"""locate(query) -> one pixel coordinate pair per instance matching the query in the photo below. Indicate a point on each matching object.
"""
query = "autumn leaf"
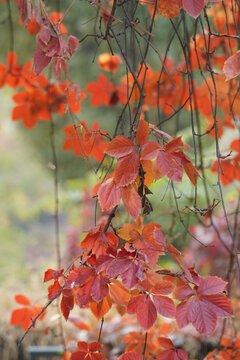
(169, 9)
(170, 352)
(100, 309)
(22, 299)
(202, 304)
(88, 351)
(67, 302)
(108, 194)
(109, 62)
(23, 316)
(100, 91)
(131, 355)
(193, 7)
(119, 147)
(231, 66)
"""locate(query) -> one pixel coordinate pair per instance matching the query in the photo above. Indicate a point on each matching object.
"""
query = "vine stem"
(100, 330)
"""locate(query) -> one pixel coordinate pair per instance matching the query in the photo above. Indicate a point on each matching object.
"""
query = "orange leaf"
(131, 201)
(120, 146)
(22, 299)
(119, 293)
(142, 132)
(101, 308)
(126, 169)
(169, 8)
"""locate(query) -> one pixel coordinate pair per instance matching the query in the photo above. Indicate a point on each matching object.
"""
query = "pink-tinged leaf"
(131, 201)
(37, 12)
(25, 10)
(164, 305)
(173, 354)
(22, 299)
(135, 304)
(59, 64)
(231, 66)
(129, 277)
(126, 169)
(183, 292)
(120, 146)
(44, 35)
(193, 7)
(131, 356)
(117, 266)
(159, 237)
(150, 150)
(183, 314)
(211, 285)
(167, 165)
(174, 144)
(142, 132)
(147, 314)
(219, 304)
(108, 195)
(40, 60)
(203, 318)
(99, 288)
(72, 44)
(163, 287)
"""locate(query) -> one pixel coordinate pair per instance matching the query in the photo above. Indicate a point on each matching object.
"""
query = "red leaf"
(164, 305)
(145, 309)
(130, 356)
(67, 303)
(54, 289)
(193, 7)
(126, 169)
(174, 144)
(142, 132)
(40, 60)
(147, 314)
(131, 201)
(95, 346)
(167, 165)
(99, 288)
(120, 146)
(173, 354)
(211, 285)
(79, 276)
(108, 195)
(52, 274)
(83, 294)
(22, 299)
(202, 309)
(231, 66)
(72, 44)
(203, 318)
(150, 150)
